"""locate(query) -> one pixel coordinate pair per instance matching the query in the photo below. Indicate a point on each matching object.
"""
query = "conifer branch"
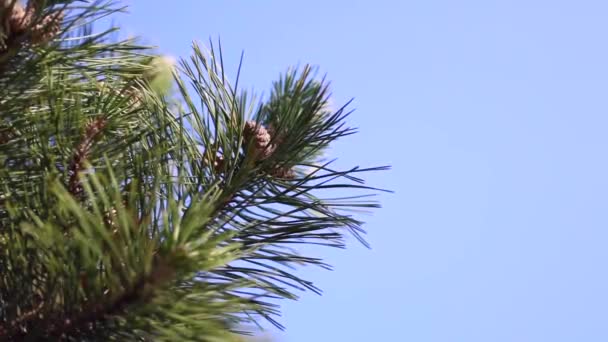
(83, 320)
(81, 153)
(185, 232)
(26, 25)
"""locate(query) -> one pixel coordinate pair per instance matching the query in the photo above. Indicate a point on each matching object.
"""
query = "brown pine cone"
(218, 164)
(18, 19)
(47, 29)
(261, 139)
(35, 5)
(283, 173)
(6, 135)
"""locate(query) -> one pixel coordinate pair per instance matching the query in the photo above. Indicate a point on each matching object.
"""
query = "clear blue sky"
(494, 115)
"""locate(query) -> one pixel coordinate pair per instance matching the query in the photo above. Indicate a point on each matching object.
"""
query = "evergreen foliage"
(145, 200)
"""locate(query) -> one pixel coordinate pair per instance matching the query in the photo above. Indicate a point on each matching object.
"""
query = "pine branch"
(84, 318)
(82, 151)
(169, 216)
(27, 25)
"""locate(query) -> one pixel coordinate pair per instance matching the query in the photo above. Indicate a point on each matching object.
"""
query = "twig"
(84, 318)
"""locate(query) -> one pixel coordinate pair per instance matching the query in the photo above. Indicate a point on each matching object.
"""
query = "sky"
(493, 115)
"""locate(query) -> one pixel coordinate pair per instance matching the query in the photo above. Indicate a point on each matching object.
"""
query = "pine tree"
(143, 199)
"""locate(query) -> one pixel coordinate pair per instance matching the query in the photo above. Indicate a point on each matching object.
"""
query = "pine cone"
(218, 164)
(261, 139)
(6, 135)
(18, 19)
(283, 172)
(36, 5)
(48, 28)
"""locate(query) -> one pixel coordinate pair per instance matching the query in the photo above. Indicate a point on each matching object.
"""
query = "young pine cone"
(6, 135)
(18, 19)
(283, 172)
(263, 148)
(47, 29)
(261, 139)
(36, 5)
(216, 163)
